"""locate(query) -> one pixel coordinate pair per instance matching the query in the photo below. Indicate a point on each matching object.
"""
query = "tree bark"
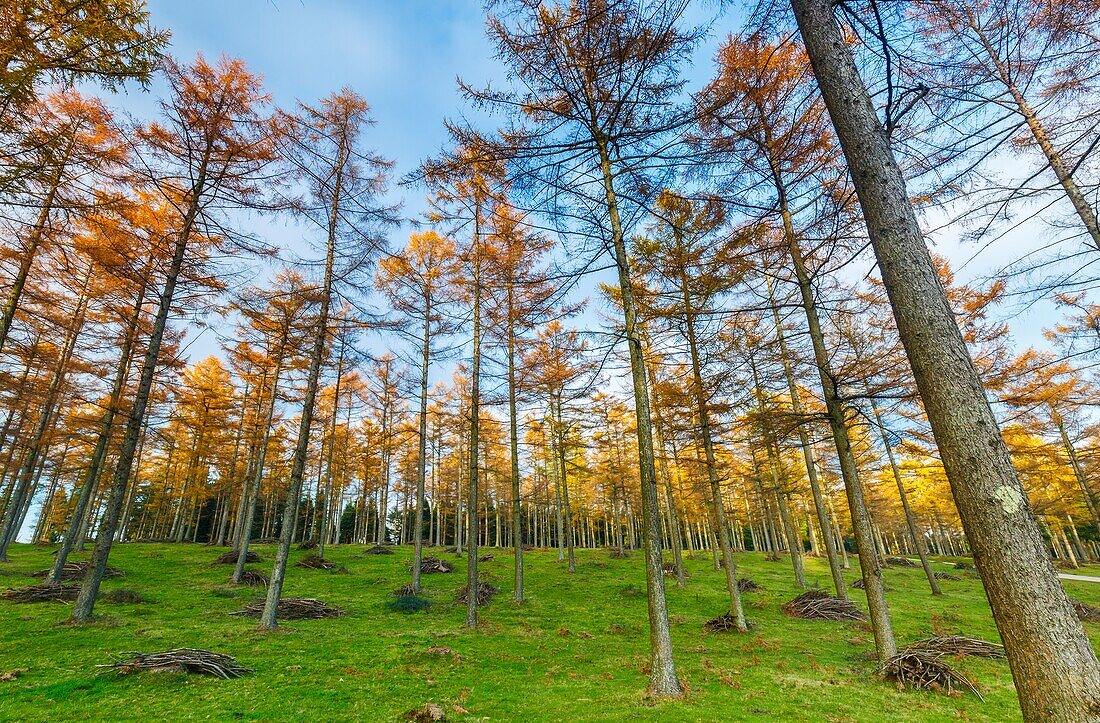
(1056, 672)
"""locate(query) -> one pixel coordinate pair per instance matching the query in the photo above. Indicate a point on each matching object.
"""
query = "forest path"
(1083, 578)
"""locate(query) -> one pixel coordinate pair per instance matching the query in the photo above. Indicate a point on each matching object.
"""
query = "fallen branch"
(315, 562)
(429, 565)
(1087, 613)
(77, 571)
(254, 578)
(956, 645)
(747, 584)
(900, 562)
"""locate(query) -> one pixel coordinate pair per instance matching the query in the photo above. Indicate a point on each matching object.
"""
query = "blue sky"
(403, 56)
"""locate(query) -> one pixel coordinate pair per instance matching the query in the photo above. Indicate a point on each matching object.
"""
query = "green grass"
(576, 650)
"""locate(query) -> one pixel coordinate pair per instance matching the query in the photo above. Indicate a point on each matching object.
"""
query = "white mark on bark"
(1010, 498)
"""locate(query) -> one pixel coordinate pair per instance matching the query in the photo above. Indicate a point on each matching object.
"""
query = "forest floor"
(576, 650)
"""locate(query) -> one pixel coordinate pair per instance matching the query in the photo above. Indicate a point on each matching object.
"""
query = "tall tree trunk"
(422, 462)
(807, 453)
(475, 414)
(268, 620)
(869, 563)
(910, 519)
(1053, 664)
(662, 675)
(513, 442)
(85, 602)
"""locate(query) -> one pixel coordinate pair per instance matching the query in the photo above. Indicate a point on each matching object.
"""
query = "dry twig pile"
(186, 660)
(45, 592)
(294, 608)
(922, 671)
(315, 562)
(820, 605)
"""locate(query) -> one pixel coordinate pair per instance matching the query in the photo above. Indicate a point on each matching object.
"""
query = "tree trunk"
(1055, 669)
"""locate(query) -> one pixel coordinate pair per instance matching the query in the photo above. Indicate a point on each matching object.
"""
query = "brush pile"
(254, 578)
(721, 624)
(378, 550)
(315, 562)
(230, 558)
(45, 592)
(485, 558)
(405, 590)
(485, 593)
(429, 565)
(307, 545)
(77, 571)
(294, 608)
(618, 554)
(183, 660)
(956, 645)
(900, 562)
(964, 566)
(924, 671)
(945, 576)
(820, 605)
(747, 584)
(1087, 613)
(670, 569)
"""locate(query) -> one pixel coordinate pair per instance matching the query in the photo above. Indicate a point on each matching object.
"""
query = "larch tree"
(342, 185)
(593, 104)
(1054, 667)
(207, 153)
(419, 284)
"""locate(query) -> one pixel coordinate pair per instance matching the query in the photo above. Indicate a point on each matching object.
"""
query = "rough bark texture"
(1054, 667)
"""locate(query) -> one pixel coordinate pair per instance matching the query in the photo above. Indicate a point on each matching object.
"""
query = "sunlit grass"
(575, 651)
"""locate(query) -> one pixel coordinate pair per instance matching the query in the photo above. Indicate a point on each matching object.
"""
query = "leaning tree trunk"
(910, 519)
(85, 602)
(702, 409)
(1078, 471)
(662, 671)
(13, 520)
(808, 455)
(869, 563)
(268, 619)
(1055, 669)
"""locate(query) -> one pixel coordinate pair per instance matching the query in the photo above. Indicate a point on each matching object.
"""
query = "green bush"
(408, 604)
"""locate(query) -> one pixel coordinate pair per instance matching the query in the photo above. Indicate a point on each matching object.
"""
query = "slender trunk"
(513, 441)
(910, 519)
(1054, 667)
(869, 563)
(268, 619)
(807, 453)
(475, 414)
(422, 462)
(662, 675)
(1078, 472)
(85, 602)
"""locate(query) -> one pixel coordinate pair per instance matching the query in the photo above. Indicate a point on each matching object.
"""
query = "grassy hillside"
(576, 650)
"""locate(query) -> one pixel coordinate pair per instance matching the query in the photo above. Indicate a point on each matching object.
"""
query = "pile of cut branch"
(1086, 612)
(183, 660)
(722, 624)
(46, 592)
(820, 605)
(747, 584)
(378, 550)
(922, 671)
(405, 590)
(964, 566)
(485, 558)
(618, 554)
(900, 562)
(945, 576)
(485, 593)
(956, 645)
(428, 565)
(315, 562)
(670, 569)
(254, 578)
(294, 608)
(307, 545)
(230, 558)
(77, 571)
